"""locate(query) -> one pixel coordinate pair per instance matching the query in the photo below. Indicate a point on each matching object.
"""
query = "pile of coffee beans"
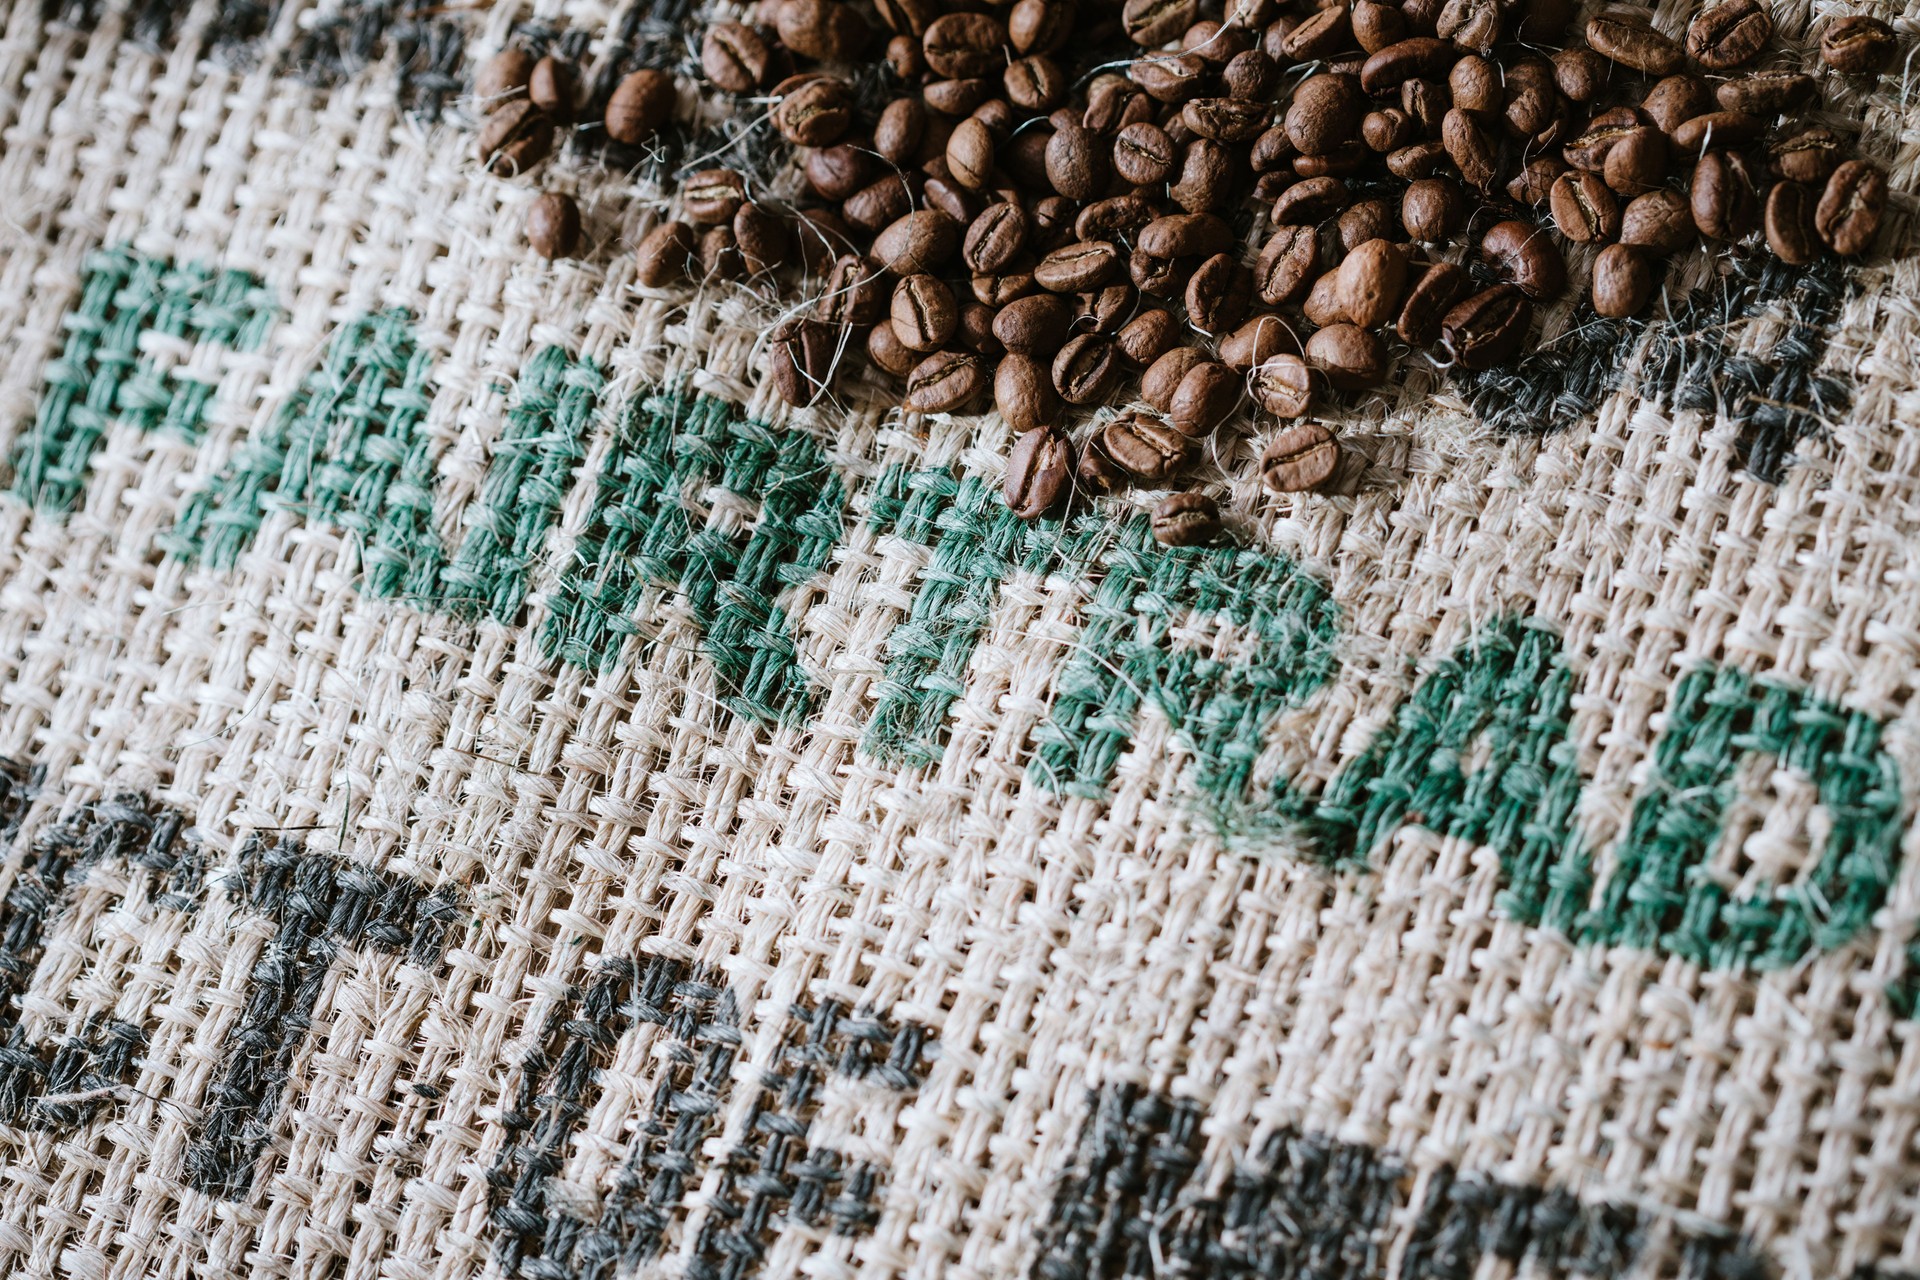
(1049, 199)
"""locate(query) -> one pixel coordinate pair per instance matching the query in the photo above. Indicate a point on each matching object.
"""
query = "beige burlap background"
(354, 930)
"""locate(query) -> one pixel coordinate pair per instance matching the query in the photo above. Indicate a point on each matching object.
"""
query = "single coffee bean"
(884, 349)
(1622, 281)
(1272, 150)
(1078, 163)
(1432, 296)
(1487, 328)
(1473, 152)
(719, 255)
(1252, 76)
(1035, 84)
(1105, 309)
(1660, 222)
(734, 57)
(1023, 392)
(1426, 102)
(1186, 235)
(507, 72)
(1416, 58)
(1849, 212)
(822, 29)
(803, 352)
(1186, 520)
(1327, 32)
(1325, 113)
(1215, 42)
(1085, 368)
(1534, 183)
(1349, 357)
(879, 204)
(813, 114)
(1322, 305)
(1433, 209)
(1588, 149)
(923, 241)
(1204, 398)
(897, 135)
(1729, 34)
(1675, 100)
(963, 45)
(1725, 204)
(1003, 288)
(761, 237)
(517, 137)
(1147, 336)
(1471, 24)
(1373, 219)
(853, 295)
(1039, 473)
(1087, 264)
(1581, 73)
(1300, 459)
(994, 238)
(1035, 325)
(1145, 448)
(1857, 43)
(554, 88)
(1585, 209)
(1765, 93)
(1717, 129)
(665, 255)
(1207, 174)
(1253, 342)
(1157, 277)
(1809, 156)
(1791, 231)
(641, 103)
(1095, 473)
(976, 331)
(1372, 280)
(1143, 154)
(904, 59)
(1388, 129)
(1638, 162)
(1040, 26)
(1117, 219)
(712, 196)
(946, 381)
(1283, 385)
(1377, 25)
(1525, 255)
(1218, 294)
(1535, 111)
(837, 172)
(1310, 200)
(1164, 375)
(941, 192)
(924, 313)
(1151, 23)
(1112, 105)
(1629, 39)
(970, 154)
(553, 226)
(1228, 119)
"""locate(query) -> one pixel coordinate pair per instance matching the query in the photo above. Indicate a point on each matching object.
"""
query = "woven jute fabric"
(488, 790)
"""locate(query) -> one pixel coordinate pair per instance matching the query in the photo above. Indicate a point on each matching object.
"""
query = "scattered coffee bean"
(803, 354)
(517, 137)
(924, 313)
(1660, 222)
(1849, 212)
(504, 74)
(1629, 39)
(1145, 448)
(1622, 281)
(1487, 328)
(640, 105)
(1729, 34)
(1164, 376)
(734, 57)
(553, 226)
(1023, 392)
(1256, 340)
(1372, 279)
(1857, 43)
(1300, 459)
(1585, 208)
(1349, 357)
(1526, 255)
(1039, 473)
(1204, 398)
(1809, 156)
(946, 381)
(1429, 301)
(1283, 386)
(1186, 520)
(1085, 368)
(1725, 203)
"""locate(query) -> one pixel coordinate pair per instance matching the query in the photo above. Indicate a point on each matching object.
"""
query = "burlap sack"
(488, 790)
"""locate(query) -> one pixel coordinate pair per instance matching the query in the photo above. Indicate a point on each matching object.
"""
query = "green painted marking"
(648, 528)
(527, 480)
(351, 448)
(102, 376)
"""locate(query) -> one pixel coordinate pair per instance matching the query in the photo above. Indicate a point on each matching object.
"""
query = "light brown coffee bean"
(836, 172)
(1322, 306)
(665, 255)
(1729, 34)
(1585, 208)
(964, 45)
(1283, 385)
(823, 29)
(1083, 265)
(1622, 281)
(1426, 102)
(1325, 113)
(1725, 203)
(1487, 328)
(802, 359)
(1809, 155)
(1857, 43)
(712, 196)
(1228, 119)
(1477, 86)
(1040, 26)
(1300, 459)
(1421, 160)
(1373, 279)
(1638, 162)
(902, 123)
(1349, 357)
(1204, 398)
(1147, 336)
(640, 105)
(1432, 296)
(1035, 84)
(734, 57)
(517, 137)
(1581, 74)
(1156, 277)
(1473, 152)
(1252, 76)
(1628, 37)
(1105, 309)
(1164, 376)
(1791, 231)
(1023, 392)
(945, 382)
(1145, 448)
(1085, 368)
(554, 88)
(1388, 129)
(1373, 219)
(1186, 520)
(1218, 294)
(1765, 93)
(924, 313)
(1717, 129)
(1433, 209)
(854, 294)
(553, 226)
(1660, 222)
(507, 72)
(1848, 216)
(923, 241)
(1039, 473)
(1526, 255)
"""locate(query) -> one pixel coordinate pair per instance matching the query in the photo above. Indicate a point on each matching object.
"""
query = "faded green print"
(693, 502)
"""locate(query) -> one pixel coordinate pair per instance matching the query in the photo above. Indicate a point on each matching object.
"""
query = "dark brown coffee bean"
(1325, 113)
(946, 382)
(1158, 277)
(1085, 368)
(1588, 150)
(1035, 84)
(1622, 281)
(1348, 356)
(1535, 111)
(1186, 235)
(1117, 219)
(1427, 103)
(1003, 288)
(1218, 294)
(1421, 160)
(1286, 265)
(1525, 255)
(507, 72)
(1300, 459)
(994, 238)
(1766, 93)
(1164, 375)
(1252, 76)
(1486, 328)
(1725, 203)
(517, 137)
(1387, 130)
(1087, 264)
(712, 196)
(1171, 80)
(553, 226)
(924, 313)
(1322, 306)
(1638, 162)
(905, 60)
(1327, 32)
(1473, 152)
(1717, 129)
(1432, 296)
(1229, 119)
(1040, 26)
(822, 29)
(941, 192)
(1809, 156)
(970, 155)
(1113, 103)
(640, 105)
(1585, 208)
(1675, 100)
(1207, 173)
(1420, 57)
(1729, 34)
(879, 204)
(802, 353)
(1311, 200)
(1105, 309)
(1186, 520)
(719, 255)
(1039, 473)
(897, 135)
(734, 57)
(1255, 341)
(814, 114)
(1272, 150)
(1143, 154)
(924, 240)
(1145, 448)
(1471, 24)
(1581, 73)
(1791, 231)
(1215, 42)
(835, 173)
(1857, 43)
(1373, 219)
(1204, 398)
(964, 45)
(1283, 385)
(884, 349)
(820, 236)
(976, 331)
(1146, 337)
(665, 255)
(761, 237)
(1433, 209)
(1534, 183)
(1628, 37)
(1660, 222)
(1372, 280)
(1151, 23)
(854, 294)
(1023, 392)
(1034, 325)
(1377, 26)
(1077, 163)
(1477, 85)
(1849, 213)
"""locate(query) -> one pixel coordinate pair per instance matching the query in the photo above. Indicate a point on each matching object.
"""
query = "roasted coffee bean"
(976, 331)
(879, 204)
(1272, 150)
(1675, 100)
(994, 238)
(1473, 152)
(640, 105)
(1373, 219)
(554, 88)
(1035, 325)
(1003, 288)
(1325, 113)
(1809, 156)
(1433, 209)
(762, 238)
(1078, 163)
(902, 124)
(1035, 84)
(1525, 255)
(1283, 386)
(1588, 150)
(1585, 209)
(1311, 200)
(1765, 93)
(970, 155)
(1849, 212)
(1729, 34)
(1087, 264)
(1215, 42)
(1717, 129)
(1426, 102)
(1151, 23)
(1857, 43)
(820, 236)
(1186, 520)
(1432, 296)
(734, 57)
(1039, 473)
(1145, 448)
(884, 349)
(712, 196)
(665, 255)
(941, 192)
(813, 114)
(1105, 309)
(1348, 356)
(507, 72)
(1327, 32)
(1581, 73)
(1534, 183)
(1164, 375)
(924, 240)
(854, 294)
(1638, 162)
(1146, 337)
(1228, 119)
(1622, 281)
(1218, 294)
(1040, 26)
(1112, 104)
(1206, 180)
(553, 226)
(1537, 112)
(1377, 26)
(1158, 277)
(837, 172)
(1471, 24)
(1095, 473)
(1143, 154)
(946, 381)
(1322, 306)
(1023, 392)
(1417, 58)
(1791, 231)
(1119, 218)
(1256, 340)
(1372, 280)
(1300, 459)
(517, 137)
(719, 255)
(964, 45)
(1186, 235)
(1725, 204)
(1660, 222)
(1085, 368)
(924, 313)
(905, 60)
(1477, 85)
(824, 29)
(1487, 328)
(1206, 395)
(803, 352)
(1171, 80)
(1252, 76)
(1386, 130)
(1629, 39)
(1286, 265)
(1339, 162)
